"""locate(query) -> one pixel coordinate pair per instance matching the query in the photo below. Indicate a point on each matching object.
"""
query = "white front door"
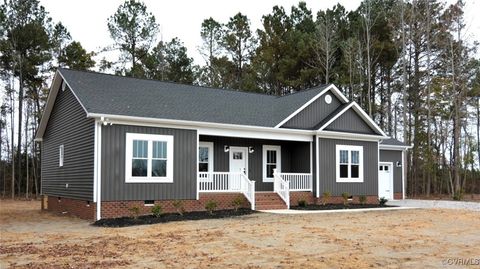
(385, 180)
(239, 159)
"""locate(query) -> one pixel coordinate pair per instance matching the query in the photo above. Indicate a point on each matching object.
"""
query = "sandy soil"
(418, 238)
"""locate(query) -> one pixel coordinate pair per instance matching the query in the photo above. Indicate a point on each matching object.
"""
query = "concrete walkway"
(293, 212)
(475, 206)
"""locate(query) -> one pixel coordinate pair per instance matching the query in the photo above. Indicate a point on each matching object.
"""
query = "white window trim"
(129, 154)
(61, 155)
(208, 145)
(337, 164)
(278, 149)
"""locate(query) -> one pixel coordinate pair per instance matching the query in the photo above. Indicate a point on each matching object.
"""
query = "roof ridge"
(323, 86)
(169, 82)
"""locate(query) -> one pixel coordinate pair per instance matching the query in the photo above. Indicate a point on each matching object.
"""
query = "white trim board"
(332, 87)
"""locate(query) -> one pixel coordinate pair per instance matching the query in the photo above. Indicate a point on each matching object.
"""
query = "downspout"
(317, 166)
(99, 169)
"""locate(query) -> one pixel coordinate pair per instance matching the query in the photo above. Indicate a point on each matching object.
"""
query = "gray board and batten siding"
(350, 122)
(68, 126)
(394, 156)
(115, 188)
(327, 170)
(314, 113)
(295, 157)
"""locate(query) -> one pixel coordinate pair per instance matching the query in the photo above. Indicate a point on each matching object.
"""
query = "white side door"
(385, 180)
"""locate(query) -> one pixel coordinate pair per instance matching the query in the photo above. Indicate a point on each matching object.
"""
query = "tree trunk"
(19, 127)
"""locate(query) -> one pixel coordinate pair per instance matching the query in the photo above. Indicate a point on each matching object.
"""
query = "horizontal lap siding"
(327, 168)
(350, 122)
(394, 156)
(68, 126)
(295, 157)
(113, 166)
(314, 113)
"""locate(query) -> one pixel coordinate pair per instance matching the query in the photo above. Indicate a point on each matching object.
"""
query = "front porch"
(249, 166)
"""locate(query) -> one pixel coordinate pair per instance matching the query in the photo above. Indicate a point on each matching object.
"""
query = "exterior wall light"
(251, 150)
(399, 164)
(226, 148)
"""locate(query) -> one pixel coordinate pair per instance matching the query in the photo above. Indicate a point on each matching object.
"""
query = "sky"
(87, 19)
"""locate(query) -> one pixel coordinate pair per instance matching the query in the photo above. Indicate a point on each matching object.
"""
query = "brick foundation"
(115, 209)
(371, 199)
(397, 196)
(296, 196)
(72, 207)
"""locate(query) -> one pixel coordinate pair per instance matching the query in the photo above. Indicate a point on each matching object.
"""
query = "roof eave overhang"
(394, 147)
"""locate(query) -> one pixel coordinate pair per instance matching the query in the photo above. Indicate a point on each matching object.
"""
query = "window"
(60, 156)
(271, 160)
(349, 163)
(149, 158)
(205, 157)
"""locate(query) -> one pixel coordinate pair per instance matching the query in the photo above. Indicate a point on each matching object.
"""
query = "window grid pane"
(159, 150)
(140, 149)
(355, 156)
(344, 156)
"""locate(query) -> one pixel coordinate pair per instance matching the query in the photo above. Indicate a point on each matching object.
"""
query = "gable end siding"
(68, 126)
(350, 122)
(314, 113)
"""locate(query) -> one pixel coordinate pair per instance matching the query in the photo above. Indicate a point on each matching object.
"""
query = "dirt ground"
(416, 238)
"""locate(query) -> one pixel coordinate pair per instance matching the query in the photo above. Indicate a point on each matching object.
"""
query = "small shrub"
(325, 197)
(382, 201)
(302, 203)
(345, 196)
(458, 195)
(178, 204)
(362, 199)
(210, 206)
(157, 210)
(237, 202)
(135, 210)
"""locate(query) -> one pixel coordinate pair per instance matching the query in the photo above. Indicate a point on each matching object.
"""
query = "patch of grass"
(237, 202)
(362, 199)
(326, 197)
(157, 210)
(135, 211)
(345, 196)
(178, 204)
(382, 201)
(302, 203)
(210, 206)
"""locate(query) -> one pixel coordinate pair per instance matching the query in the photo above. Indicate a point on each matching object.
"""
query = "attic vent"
(328, 99)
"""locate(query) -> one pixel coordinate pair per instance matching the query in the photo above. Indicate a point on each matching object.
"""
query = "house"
(110, 143)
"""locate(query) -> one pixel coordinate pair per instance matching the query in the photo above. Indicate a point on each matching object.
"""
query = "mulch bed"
(168, 217)
(338, 206)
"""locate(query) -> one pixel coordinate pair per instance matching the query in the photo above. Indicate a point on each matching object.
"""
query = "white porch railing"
(298, 181)
(281, 187)
(227, 182)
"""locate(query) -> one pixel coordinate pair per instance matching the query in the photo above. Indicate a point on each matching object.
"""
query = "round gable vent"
(328, 99)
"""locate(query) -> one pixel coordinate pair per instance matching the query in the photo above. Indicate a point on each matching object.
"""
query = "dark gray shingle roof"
(392, 142)
(116, 95)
